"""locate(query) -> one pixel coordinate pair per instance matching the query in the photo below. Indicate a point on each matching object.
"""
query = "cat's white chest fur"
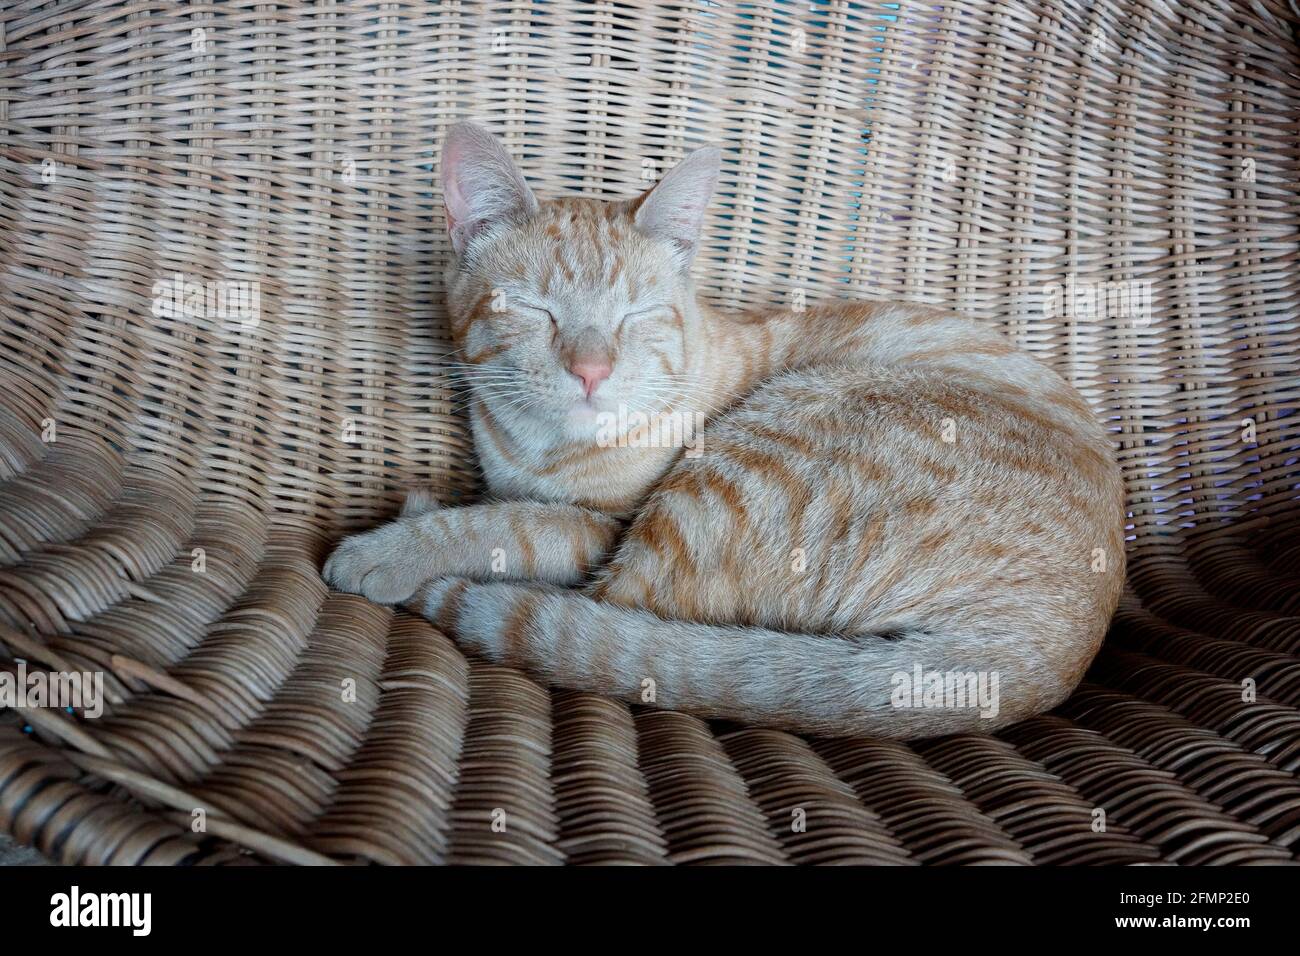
(613, 479)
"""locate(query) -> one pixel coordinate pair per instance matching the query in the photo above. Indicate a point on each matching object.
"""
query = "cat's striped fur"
(877, 486)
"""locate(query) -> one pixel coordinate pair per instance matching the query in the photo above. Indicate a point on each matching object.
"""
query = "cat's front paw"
(420, 501)
(383, 565)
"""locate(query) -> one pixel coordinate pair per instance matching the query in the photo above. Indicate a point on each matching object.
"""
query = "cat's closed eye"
(535, 311)
(642, 313)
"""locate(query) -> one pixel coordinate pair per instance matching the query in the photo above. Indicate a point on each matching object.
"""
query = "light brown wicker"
(169, 485)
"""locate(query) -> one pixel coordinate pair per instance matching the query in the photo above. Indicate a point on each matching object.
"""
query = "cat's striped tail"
(807, 683)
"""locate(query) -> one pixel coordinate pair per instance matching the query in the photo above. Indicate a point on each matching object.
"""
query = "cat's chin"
(585, 417)
(589, 421)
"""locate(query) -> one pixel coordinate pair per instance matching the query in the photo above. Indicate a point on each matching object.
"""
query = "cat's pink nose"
(591, 374)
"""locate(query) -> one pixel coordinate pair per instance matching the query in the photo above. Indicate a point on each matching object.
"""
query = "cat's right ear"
(481, 185)
(673, 210)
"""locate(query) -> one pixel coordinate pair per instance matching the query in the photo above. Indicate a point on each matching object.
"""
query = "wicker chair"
(174, 470)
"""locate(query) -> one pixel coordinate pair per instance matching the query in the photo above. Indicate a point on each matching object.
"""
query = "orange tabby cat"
(862, 519)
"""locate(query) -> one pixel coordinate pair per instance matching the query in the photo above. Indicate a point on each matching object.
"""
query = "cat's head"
(572, 309)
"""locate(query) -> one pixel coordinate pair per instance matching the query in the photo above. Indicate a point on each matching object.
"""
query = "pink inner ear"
(480, 184)
(452, 197)
(674, 209)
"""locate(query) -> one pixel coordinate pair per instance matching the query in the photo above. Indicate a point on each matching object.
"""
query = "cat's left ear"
(673, 210)
(481, 185)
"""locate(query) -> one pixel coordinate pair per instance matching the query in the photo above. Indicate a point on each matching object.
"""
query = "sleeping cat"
(880, 493)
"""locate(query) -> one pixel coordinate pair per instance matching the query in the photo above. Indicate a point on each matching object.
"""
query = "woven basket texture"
(172, 474)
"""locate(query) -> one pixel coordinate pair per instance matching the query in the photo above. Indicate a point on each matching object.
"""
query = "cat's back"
(921, 469)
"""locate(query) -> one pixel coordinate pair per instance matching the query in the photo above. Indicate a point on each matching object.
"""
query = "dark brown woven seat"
(170, 483)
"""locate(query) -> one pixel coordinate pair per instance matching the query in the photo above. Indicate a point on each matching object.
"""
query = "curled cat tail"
(806, 683)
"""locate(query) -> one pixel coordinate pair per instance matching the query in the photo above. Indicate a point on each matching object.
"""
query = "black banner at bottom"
(337, 906)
